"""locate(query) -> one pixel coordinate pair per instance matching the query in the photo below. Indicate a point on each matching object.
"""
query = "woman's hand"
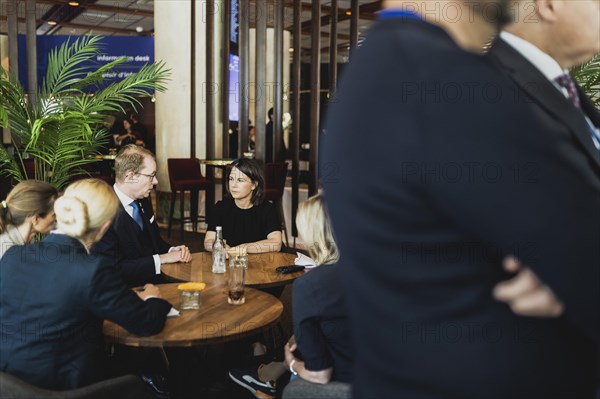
(297, 366)
(526, 294)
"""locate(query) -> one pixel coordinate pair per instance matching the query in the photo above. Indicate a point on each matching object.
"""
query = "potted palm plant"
(588, 77)
(64, 127)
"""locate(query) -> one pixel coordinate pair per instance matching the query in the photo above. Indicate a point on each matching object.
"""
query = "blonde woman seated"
(247, 219)
(319, 315)
(28, 209)
(54, 296)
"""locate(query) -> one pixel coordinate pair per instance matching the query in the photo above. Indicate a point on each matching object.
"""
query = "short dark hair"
(270, 113)
(252, 169)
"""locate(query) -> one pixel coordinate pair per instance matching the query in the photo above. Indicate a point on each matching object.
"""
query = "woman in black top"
(248, 221)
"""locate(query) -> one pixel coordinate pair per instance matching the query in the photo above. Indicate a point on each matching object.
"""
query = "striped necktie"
(567, 82)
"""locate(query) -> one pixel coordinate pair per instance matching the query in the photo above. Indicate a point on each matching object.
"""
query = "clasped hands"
(177, 254)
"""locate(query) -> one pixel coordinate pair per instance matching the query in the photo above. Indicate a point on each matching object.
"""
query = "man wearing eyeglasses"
(133, 240)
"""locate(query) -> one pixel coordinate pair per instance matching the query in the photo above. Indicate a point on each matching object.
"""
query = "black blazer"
(53, 300)
(130, 248)
(560, 118)
(433, 173)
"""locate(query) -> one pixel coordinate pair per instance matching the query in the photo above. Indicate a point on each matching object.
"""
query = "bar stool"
(185, 175)
(275, 174)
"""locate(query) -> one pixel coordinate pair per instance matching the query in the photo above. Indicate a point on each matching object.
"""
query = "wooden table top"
(216, 321)
(260, 274)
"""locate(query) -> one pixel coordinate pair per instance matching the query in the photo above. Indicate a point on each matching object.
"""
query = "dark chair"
(301, 389)
(185, 175)
(127, 386)
(275, 175)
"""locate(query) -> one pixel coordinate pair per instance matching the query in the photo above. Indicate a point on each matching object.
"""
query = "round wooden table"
(216, 321)
(260, 274)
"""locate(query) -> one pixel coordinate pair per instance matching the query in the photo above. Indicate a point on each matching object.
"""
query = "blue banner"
(139, 51)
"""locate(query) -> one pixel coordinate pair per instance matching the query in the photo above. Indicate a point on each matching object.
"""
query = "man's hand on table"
(177, 254)
(149, 291)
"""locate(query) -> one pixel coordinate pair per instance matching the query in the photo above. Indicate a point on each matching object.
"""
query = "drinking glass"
(237, 280)
(189, 299)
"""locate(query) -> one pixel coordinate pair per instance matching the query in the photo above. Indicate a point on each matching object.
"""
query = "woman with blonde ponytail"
(27, 210)
(55, 296)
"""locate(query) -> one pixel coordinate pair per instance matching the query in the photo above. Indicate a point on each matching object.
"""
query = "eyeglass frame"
(152, 176)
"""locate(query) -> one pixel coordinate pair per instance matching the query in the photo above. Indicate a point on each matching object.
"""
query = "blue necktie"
(137, 215)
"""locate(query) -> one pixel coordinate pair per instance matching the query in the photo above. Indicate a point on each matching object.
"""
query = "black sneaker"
(249, 380)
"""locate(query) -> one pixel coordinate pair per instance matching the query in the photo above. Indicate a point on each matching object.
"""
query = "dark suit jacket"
(560, 118)
(131, 249)
(433, 173)
(54, 298)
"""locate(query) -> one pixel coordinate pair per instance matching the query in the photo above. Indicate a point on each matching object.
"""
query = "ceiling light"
(74, 3)
(139, 29)
(291, 49)
(348, 12)
(52, 23)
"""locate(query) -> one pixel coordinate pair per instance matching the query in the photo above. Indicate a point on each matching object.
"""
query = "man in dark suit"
(456, 175)
(535, 56)
(536, 52)
(133, 240)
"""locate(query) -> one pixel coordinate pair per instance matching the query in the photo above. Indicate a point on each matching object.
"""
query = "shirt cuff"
(170, 249)
(156, 263)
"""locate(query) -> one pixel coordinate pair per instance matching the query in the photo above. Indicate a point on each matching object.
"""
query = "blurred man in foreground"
(467, 176)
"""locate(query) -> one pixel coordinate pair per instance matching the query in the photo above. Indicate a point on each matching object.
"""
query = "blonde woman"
(54, 296)
(28, 209)
(319, 315)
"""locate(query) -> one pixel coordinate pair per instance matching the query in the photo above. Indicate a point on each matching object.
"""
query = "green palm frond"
(588, 77)
(64, 128)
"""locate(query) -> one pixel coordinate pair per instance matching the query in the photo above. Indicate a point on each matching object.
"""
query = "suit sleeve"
(306, 317)
(111, 299)
(133, 271)
(514, 191)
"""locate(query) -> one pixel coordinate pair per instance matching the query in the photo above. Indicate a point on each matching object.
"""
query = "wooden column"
(354, 24)
(193, 84)
(315, 96)
(278, 98)
(31, 50)
(210, 79)
(295, 137)
(225, 44)
(13, 45)
(333, 49)
(244, 49)
(261, 77)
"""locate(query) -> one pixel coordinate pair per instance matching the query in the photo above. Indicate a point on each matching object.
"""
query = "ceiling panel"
(135, 17)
